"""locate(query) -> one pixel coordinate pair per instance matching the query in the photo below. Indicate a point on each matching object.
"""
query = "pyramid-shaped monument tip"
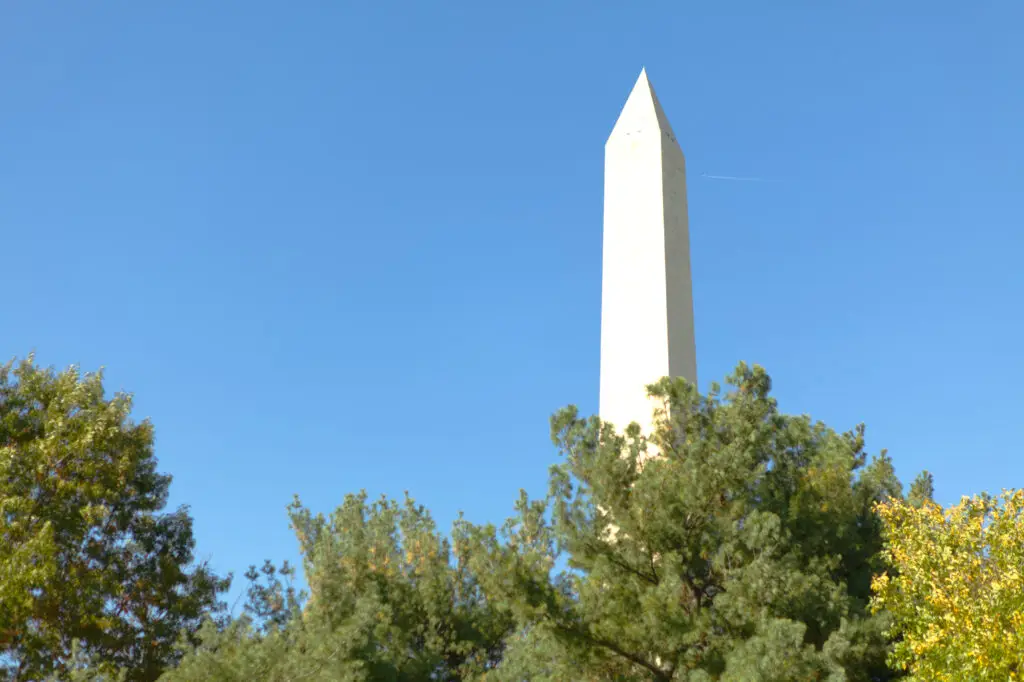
(642, 111)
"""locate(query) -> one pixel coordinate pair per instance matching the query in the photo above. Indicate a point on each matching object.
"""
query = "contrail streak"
(733, 177)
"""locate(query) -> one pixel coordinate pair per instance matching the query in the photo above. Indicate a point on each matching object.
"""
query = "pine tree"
(390, 598)
(921, 490)
(743, 551)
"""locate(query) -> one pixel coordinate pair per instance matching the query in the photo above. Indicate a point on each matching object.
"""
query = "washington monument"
(646, 294)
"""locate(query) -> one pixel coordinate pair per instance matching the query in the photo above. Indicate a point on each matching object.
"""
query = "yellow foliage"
(955, 588)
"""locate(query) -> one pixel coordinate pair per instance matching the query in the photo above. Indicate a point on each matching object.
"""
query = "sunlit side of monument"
(647, 329)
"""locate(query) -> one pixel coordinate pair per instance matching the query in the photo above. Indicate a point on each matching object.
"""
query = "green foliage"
(743, 550)
(733, 543)
(390, 599)
(273, 601)
(86, 556)
(922, 490)
(83, 667)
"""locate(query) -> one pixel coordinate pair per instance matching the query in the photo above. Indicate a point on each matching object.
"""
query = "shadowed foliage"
(743, 550)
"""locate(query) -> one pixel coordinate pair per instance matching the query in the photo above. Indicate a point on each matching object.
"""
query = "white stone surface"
(646, 293)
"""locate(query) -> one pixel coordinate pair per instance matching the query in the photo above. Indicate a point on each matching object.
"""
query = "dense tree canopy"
(390, 599)
(86, 554)
(731, 543)
(743, 551)
(956, 587)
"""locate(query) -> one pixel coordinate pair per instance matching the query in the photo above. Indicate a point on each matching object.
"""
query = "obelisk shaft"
(647, 329)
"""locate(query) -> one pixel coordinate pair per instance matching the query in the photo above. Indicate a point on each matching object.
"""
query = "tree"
(743, 551)
(956, 587)
(265, 643)
(90, 567)
(390, 598)
(922, 490)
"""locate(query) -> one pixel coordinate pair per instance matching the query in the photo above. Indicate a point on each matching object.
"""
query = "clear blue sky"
(345, 245)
